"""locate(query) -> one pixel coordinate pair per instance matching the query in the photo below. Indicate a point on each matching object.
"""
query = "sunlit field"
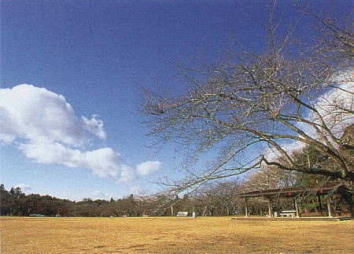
(173, 235)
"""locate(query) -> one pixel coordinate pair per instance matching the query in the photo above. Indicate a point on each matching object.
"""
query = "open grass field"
(173, 235)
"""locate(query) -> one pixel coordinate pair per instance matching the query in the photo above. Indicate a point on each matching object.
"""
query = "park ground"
(46, 235)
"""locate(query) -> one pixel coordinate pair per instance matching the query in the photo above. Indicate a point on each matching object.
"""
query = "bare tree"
(271, 178)
(265, 106)
(218, 199)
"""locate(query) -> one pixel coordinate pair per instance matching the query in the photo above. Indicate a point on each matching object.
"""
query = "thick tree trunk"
(205, 210)
(172, 213)
(348, 197)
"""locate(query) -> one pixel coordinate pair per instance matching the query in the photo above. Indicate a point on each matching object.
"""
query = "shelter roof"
(294, 191)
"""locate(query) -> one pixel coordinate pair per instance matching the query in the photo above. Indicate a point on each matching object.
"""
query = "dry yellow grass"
(172, 235)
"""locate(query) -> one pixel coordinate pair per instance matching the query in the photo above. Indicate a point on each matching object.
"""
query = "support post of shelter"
(270, 208)
(246, 207)
(348, 197)
(350, 202)
(172, 213)
(272, 195)
(296, 208)
(329, 207)
(320, 203)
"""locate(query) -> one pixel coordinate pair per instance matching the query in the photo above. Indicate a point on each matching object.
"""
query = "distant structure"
(36, 215)
(329, 192)
(182, 214)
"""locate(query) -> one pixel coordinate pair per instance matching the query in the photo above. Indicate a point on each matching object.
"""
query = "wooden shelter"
(295, 193)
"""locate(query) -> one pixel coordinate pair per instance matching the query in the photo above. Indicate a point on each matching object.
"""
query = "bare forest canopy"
(264, 109)
(213, 199)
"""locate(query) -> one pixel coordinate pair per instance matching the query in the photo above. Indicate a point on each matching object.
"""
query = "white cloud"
(334, 107)
(127, 174)
(138, 190)
(44, 126)
(24, 188)
(103, 162)
(101, 195)
(37, 114)
(272, 154)
(95, 126)
(148, 167)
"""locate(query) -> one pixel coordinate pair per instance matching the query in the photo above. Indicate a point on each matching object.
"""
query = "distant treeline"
(213, 199)
(16, 203)
(219, 199)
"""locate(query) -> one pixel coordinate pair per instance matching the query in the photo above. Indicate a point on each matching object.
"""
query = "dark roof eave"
(289, 192)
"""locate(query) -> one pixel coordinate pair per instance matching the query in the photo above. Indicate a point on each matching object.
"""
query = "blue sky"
(99, 55)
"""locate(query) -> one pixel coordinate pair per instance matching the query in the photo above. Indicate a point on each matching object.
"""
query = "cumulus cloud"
(138, 190)
(35, 114)
(101, 195)
(334, 106)
(44, 126)
(142, 169)
(273, 154)
(148, 167)
(127, 174)
(103, 162)
(94, 125)
(24, 188)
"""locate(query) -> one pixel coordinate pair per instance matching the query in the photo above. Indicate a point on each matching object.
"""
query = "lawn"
(173, 235)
